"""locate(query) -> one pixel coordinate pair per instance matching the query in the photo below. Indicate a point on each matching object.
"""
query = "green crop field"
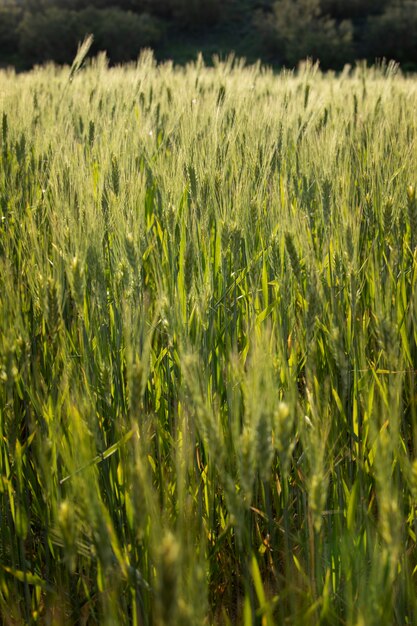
(208, 346)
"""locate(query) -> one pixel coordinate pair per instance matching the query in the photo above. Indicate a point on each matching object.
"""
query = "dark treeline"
(281, 32)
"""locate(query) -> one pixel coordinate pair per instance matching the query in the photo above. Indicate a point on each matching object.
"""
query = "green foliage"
(122, 34)
(353, 9)
(392, 34)
(50, 35)
(335, 32)
(53, 34)
(198, 13)
(298, 29)
(9, 22)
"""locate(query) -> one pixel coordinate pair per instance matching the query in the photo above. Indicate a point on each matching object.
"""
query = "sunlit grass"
(208, 346)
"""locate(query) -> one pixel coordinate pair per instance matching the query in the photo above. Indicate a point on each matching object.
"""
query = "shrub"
(9, 22)
(353, 9)
(49, 35)
(54, 33)
(392, 34)
(188, 12)
(297, 29)
(138, 6)
(121, 34)
(197, 13)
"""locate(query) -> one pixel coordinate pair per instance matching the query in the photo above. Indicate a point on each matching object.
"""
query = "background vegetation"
(281, 32)
(208, 346)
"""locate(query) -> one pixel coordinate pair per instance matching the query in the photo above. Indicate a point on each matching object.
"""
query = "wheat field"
(208, 345)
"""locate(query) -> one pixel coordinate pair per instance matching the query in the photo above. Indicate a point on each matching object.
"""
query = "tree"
(393, 34)
(54, 34)
(297, 29)
(353, 9)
